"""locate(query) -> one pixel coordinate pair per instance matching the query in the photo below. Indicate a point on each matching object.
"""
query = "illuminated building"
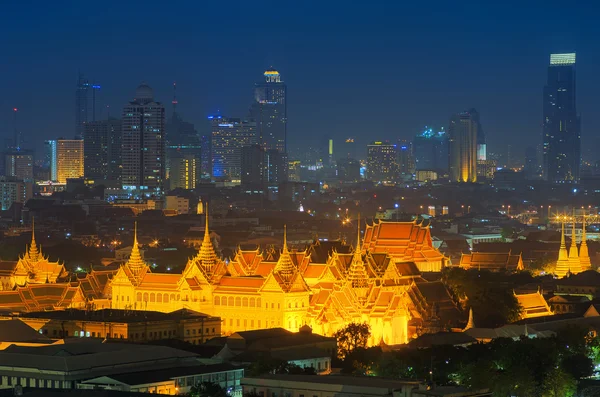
(182, 172)
(561, 123)
(269, 110)
(14, 190)
(19, 164)
(349, 149)
(66, 159)
(430, 150)
(406, 160)
(294, 168)
(486, 168)
(572, 261)
(348, 170)
(229, 136)
(143, 143)
(463, 148)
(102, 150)
(33, 267)
(481, 141)
(426, 175)
(179, 204)
(492, 261)
(326, 152)
(325, 290)
(533, 305)
(382, 162)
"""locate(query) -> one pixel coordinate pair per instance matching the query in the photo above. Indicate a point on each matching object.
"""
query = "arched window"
(238, 301)
(289, 305)
(296, 305)
(217, 300)
(252, 302)
(245, 302)
(302, 304)
(172, 297)
(145, 297)
(230, 301)
(223, 301)
(159, 298)
(258, 302)
(178, 297)
(152, 297)
(166, 298)
(138, 297)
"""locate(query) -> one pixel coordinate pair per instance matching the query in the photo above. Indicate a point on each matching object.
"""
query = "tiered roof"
(492, 261)
(533, 305)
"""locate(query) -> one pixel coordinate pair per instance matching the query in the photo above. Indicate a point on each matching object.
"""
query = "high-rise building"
(326, 151)
(143, 143)
(462, 144)
(531, 167)
(205, 155)
(85, 104)
(561, 123)
(252, 168)
(481, 141)
(406, 160)
(19, 164)
(348, 150)
(14, 190)
(229, 136)
(430, 149)
(182, 173)
(102, 150)
(348, 170)
(276, 168)
(66, 159)
(382, 162)
(269, 110)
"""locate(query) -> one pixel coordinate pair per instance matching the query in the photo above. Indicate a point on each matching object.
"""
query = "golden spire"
(285, 265)
(562, 265)
(471, 322)
(574, 264)
(584, 256)
(135, 262)
(207, 256)
(357, 273)
(33, 250)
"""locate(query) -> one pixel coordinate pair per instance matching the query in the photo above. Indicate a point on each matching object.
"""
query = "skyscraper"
(430, 150)
(66, 159)
(143, 143)
(81, 105)
(481, 141)
(19, 164)
(462, 145)
(229, 136)
(406, 160)
(561, 124)
(269, 110)
(102, 150)
(253, 159)
(182, 173)
(382, 162)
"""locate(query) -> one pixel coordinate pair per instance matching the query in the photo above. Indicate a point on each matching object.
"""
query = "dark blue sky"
(367, 69)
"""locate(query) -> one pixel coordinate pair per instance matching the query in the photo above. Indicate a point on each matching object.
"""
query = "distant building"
(486, 169)
(102, 150)
(561, 123)
(348, 149)
(229, 136)
(19, 164)
(269, 110)
(430, 150)
(252, 169)
(382, 162)
(13, 190)
(143, 143)
(463, 147)
(183, 171)
(498, 262)
(348, 170)
(66, 159)
(179, 204)
(82, 94)
(406, 160)
(531, 167)
(276, 167)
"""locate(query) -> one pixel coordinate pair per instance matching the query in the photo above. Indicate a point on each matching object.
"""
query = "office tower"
(462, 145)
(183, 169)
(382, 162)
(561, 124)
(406, 161)
(205, 153)
(326, 151)
(481, 144)
(276, 168)
(102, 150)
(14, 190)
(229, 136)
(430, 149)
(348, 150)
(19, 164)
(66, 159)
(269, 110)
(531, 167)
(348, 170)
(81, 105)
(182, 140)
(143, 143)
(252, 168)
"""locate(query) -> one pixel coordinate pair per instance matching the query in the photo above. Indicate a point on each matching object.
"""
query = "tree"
(559, 383)
(352, 336)
(207, 389)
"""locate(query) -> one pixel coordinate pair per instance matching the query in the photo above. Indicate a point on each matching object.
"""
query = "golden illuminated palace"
(376, 282)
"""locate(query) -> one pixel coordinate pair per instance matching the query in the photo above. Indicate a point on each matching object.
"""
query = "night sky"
(365, 69)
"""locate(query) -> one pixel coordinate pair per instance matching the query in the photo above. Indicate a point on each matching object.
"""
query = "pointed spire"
(285, 266)
(135, 262)
(562, 265)
(584, 256)
(207, 256)
(357, 272)
(471, 322)
(33, 250)
(574, 264)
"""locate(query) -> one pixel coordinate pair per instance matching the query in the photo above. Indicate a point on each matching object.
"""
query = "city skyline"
(440, 83)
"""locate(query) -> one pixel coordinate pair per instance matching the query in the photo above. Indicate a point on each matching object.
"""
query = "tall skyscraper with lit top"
(269, 110)
(462, 145)
(561, 124)
(143, 143)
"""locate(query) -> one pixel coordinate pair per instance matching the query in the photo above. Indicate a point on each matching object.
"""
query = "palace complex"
(573, 261)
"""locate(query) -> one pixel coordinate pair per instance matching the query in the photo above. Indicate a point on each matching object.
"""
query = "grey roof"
(361, 381)
(116, 315)
(18, 331)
